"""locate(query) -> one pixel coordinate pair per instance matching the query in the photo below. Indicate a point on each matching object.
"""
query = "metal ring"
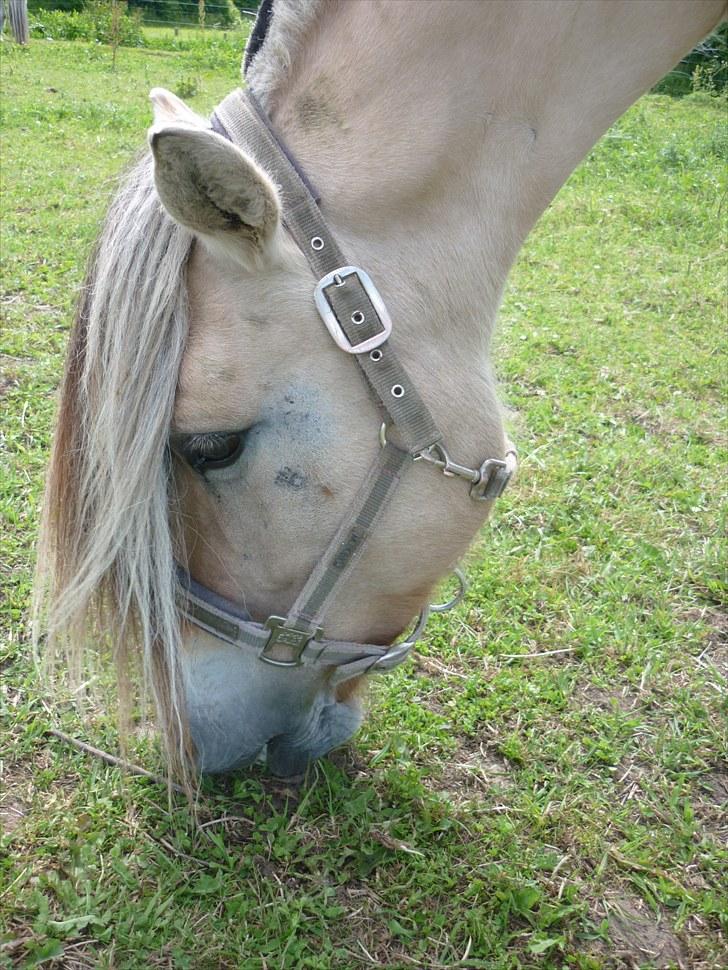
(457, 598)
(317, 243)
(375, 355)
(357, 318)
(397, 391)
(419, 629)
(400, 651)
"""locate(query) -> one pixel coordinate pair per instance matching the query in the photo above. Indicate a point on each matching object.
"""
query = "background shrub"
(218, 13)
(704, 69)
(92, 23)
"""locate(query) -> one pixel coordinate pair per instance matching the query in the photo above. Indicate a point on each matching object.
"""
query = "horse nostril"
(289, 755)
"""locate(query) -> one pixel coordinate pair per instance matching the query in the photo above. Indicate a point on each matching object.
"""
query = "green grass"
(495, 812)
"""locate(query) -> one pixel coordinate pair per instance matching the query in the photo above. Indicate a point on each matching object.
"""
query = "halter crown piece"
(357, 319)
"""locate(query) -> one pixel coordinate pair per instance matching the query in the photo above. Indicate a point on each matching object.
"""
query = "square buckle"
(494, 477)
(329, 318)
(289, 638)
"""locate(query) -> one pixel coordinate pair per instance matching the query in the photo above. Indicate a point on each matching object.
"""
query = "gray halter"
(357, 319)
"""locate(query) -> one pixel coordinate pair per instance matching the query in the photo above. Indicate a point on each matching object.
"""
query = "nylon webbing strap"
(243, 122)
(355, 315)
(344, 549)
(246, 129)
(384, 372)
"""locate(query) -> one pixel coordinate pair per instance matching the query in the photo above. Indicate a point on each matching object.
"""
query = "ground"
(545, 784)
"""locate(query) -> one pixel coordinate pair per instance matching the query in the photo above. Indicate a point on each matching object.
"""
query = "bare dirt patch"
(715, 784)
(472, 771)
(604, 700)
(15, 798)
(710, 803)
(639, 936)
(661, 426)
(12, 813)
(6, 383)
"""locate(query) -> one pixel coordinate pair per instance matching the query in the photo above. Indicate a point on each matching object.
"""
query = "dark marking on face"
(290, 478)
(328, 492)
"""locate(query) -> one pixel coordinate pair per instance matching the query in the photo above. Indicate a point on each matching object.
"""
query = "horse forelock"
(106, 558)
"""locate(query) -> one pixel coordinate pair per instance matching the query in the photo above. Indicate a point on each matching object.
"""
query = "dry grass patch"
(714, 639)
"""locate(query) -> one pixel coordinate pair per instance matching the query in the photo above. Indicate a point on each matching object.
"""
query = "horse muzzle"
(240, 710)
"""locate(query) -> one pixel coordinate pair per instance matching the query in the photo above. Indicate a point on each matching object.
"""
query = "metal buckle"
(329, 318)
(285, 636)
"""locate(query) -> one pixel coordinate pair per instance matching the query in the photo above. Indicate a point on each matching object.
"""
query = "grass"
(498, 810)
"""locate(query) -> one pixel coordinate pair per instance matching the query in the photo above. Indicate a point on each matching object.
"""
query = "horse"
(279, 426)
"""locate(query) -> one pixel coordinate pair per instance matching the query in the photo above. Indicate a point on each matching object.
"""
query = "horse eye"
(206, 452)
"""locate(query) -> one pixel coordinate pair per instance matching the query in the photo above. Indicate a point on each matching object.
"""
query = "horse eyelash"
(204, 441)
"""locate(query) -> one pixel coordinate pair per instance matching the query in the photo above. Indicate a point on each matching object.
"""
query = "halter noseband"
(357, 319)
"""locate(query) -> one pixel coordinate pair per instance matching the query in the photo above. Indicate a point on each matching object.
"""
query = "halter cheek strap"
(356, 316)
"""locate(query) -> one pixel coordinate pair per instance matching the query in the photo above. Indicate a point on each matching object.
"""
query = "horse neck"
(438, 132)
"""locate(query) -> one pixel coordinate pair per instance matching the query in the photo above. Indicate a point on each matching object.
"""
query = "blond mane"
(106, 573)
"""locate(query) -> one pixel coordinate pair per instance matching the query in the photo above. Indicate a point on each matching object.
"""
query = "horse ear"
(208, 185)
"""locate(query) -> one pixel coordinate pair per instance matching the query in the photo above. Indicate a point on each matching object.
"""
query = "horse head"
(274, 431)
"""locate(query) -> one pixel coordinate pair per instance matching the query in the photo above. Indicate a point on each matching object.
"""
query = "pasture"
(542, 786)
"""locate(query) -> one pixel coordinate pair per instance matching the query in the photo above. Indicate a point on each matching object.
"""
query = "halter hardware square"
(494, 476)
(328, 316)
(289, 637)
